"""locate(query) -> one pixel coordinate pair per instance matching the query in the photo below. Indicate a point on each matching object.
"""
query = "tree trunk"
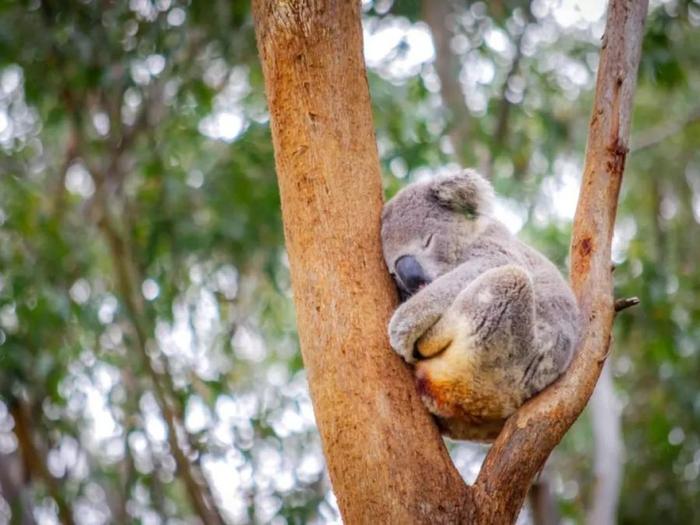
(386, 459)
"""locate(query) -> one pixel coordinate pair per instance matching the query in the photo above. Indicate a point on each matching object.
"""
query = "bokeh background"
(148, 354)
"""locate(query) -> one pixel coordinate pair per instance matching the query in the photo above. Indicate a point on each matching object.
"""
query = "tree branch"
(437, 14)
(501, 133)
(530, 435)
(622, 304)
(34, 456)
(127, 281)
(657, 135)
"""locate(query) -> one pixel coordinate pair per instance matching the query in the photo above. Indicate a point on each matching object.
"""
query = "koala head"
(427, 226)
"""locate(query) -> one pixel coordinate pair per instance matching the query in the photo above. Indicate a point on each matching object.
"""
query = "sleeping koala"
(487, 320)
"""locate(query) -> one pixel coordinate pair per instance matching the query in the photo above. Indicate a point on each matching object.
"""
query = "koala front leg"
(411, 320)
(495, 312)
(477, 353)
(422, 310)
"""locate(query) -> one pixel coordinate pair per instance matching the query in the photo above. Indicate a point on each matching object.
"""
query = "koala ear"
(465, 192)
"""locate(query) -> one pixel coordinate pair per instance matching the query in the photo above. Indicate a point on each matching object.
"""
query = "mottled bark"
(386, 460)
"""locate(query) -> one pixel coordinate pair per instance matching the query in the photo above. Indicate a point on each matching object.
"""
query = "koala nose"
(411, 274)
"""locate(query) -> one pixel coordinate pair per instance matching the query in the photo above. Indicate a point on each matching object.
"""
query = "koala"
(486, 320)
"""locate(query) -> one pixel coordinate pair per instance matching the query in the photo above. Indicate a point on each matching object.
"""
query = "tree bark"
(385, 457)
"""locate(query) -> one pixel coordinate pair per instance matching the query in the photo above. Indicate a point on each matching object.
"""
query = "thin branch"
(34, 456)
(437, 15)
(655, 136)
(108, 181)
(622, 304)
(501, 133)
(127, 279)
(70, 156)
(530, 435)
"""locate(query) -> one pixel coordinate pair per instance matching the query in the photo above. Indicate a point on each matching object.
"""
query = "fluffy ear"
(465, 192)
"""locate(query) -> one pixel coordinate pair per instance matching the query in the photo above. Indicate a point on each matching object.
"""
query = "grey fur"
(517, 316)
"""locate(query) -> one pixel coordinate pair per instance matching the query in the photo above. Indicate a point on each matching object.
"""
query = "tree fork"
(385, 457)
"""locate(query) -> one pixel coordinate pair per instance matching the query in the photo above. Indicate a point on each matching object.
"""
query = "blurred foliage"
(142, 266)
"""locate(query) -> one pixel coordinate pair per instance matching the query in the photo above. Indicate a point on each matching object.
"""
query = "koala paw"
(401, 336)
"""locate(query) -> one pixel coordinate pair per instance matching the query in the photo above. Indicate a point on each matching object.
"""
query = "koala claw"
(401, 338)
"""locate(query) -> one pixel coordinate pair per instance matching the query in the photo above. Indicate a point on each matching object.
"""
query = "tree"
(366, 408)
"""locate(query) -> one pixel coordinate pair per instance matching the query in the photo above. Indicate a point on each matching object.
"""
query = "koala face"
(427, 226)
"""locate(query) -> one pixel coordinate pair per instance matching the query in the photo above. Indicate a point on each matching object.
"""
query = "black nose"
(410, 274)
